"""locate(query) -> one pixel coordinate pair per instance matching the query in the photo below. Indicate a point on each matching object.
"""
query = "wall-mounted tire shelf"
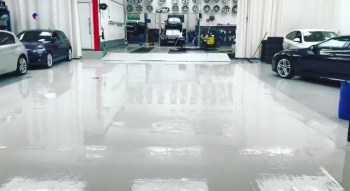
(206, 8)
(149, 8)
(175, 8)
(184, 9)
(226, 9)
(216, 8)
(195, 8)
(129, 8)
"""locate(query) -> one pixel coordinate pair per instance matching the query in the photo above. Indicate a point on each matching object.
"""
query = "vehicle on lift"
(13, 54)
(173, 34)
(172, 37)
(173, 23)
(45, 47)
(329, 59)
(305, 38)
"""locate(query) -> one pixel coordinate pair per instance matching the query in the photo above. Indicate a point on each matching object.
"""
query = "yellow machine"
(209, 42)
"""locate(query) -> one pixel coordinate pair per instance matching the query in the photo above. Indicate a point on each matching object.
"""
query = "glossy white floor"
(96, 126)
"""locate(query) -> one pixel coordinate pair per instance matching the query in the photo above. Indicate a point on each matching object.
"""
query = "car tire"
(49, 60)
(69, 55)
(284, 68)
(22, 65)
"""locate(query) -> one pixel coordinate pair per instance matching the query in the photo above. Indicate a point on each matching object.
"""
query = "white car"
(163, 10)
(306, 37)
(13, 54)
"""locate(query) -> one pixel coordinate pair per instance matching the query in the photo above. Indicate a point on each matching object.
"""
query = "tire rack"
(270, 47)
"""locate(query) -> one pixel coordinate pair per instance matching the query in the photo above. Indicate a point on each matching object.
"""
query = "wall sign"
(133, 16)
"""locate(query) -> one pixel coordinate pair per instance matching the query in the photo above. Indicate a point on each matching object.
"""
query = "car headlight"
(40, 51)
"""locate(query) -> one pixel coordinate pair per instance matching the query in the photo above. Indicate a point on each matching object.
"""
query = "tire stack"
(270, 47)
(263, 50)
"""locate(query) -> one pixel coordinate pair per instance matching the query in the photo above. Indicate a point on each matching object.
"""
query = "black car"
(44, 47)
(328, 59)
(173, 23)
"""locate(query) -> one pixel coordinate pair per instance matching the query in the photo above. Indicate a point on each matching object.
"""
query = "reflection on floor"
(166, 49)
(89, 125)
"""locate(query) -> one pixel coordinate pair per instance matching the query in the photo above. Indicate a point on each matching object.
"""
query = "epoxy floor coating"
(89, 125)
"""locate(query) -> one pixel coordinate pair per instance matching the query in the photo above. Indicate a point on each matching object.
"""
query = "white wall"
(301, 14)
(114, 13)
(342, 17)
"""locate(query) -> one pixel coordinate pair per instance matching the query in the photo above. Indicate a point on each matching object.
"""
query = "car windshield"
(35, 36)
(173, 33)
(318, 36)
(174, 20)
(333, 44)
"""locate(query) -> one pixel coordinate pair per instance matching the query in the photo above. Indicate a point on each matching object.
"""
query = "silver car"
(13, 54)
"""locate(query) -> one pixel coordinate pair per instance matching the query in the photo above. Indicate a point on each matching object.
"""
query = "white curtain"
(277, 18)
(53, 14)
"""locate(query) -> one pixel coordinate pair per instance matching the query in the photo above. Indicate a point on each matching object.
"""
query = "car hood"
(295, 52)
(34, 45)
(174, 23)
(308, 44)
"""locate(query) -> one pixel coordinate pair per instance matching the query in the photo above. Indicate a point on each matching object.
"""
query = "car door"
(342, 68)
(7, 53)
(288, 40)
(324, 61)
(297, 44)
(65, 44)
(56, 46)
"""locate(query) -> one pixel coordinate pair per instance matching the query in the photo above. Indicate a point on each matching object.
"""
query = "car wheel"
(285, 68)
(49, 60)
(69, 55)
(22, 65)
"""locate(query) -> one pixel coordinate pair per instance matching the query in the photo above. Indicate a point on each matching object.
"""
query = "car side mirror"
(297, 40)
(314, 48)
(54, 39)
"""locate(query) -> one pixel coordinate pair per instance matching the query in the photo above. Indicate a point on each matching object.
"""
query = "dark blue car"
(328, 59)
(44, 47)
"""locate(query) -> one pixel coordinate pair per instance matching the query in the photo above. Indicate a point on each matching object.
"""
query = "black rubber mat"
(231, 55)
(177, 51)
(142, 50)
(202, 49)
